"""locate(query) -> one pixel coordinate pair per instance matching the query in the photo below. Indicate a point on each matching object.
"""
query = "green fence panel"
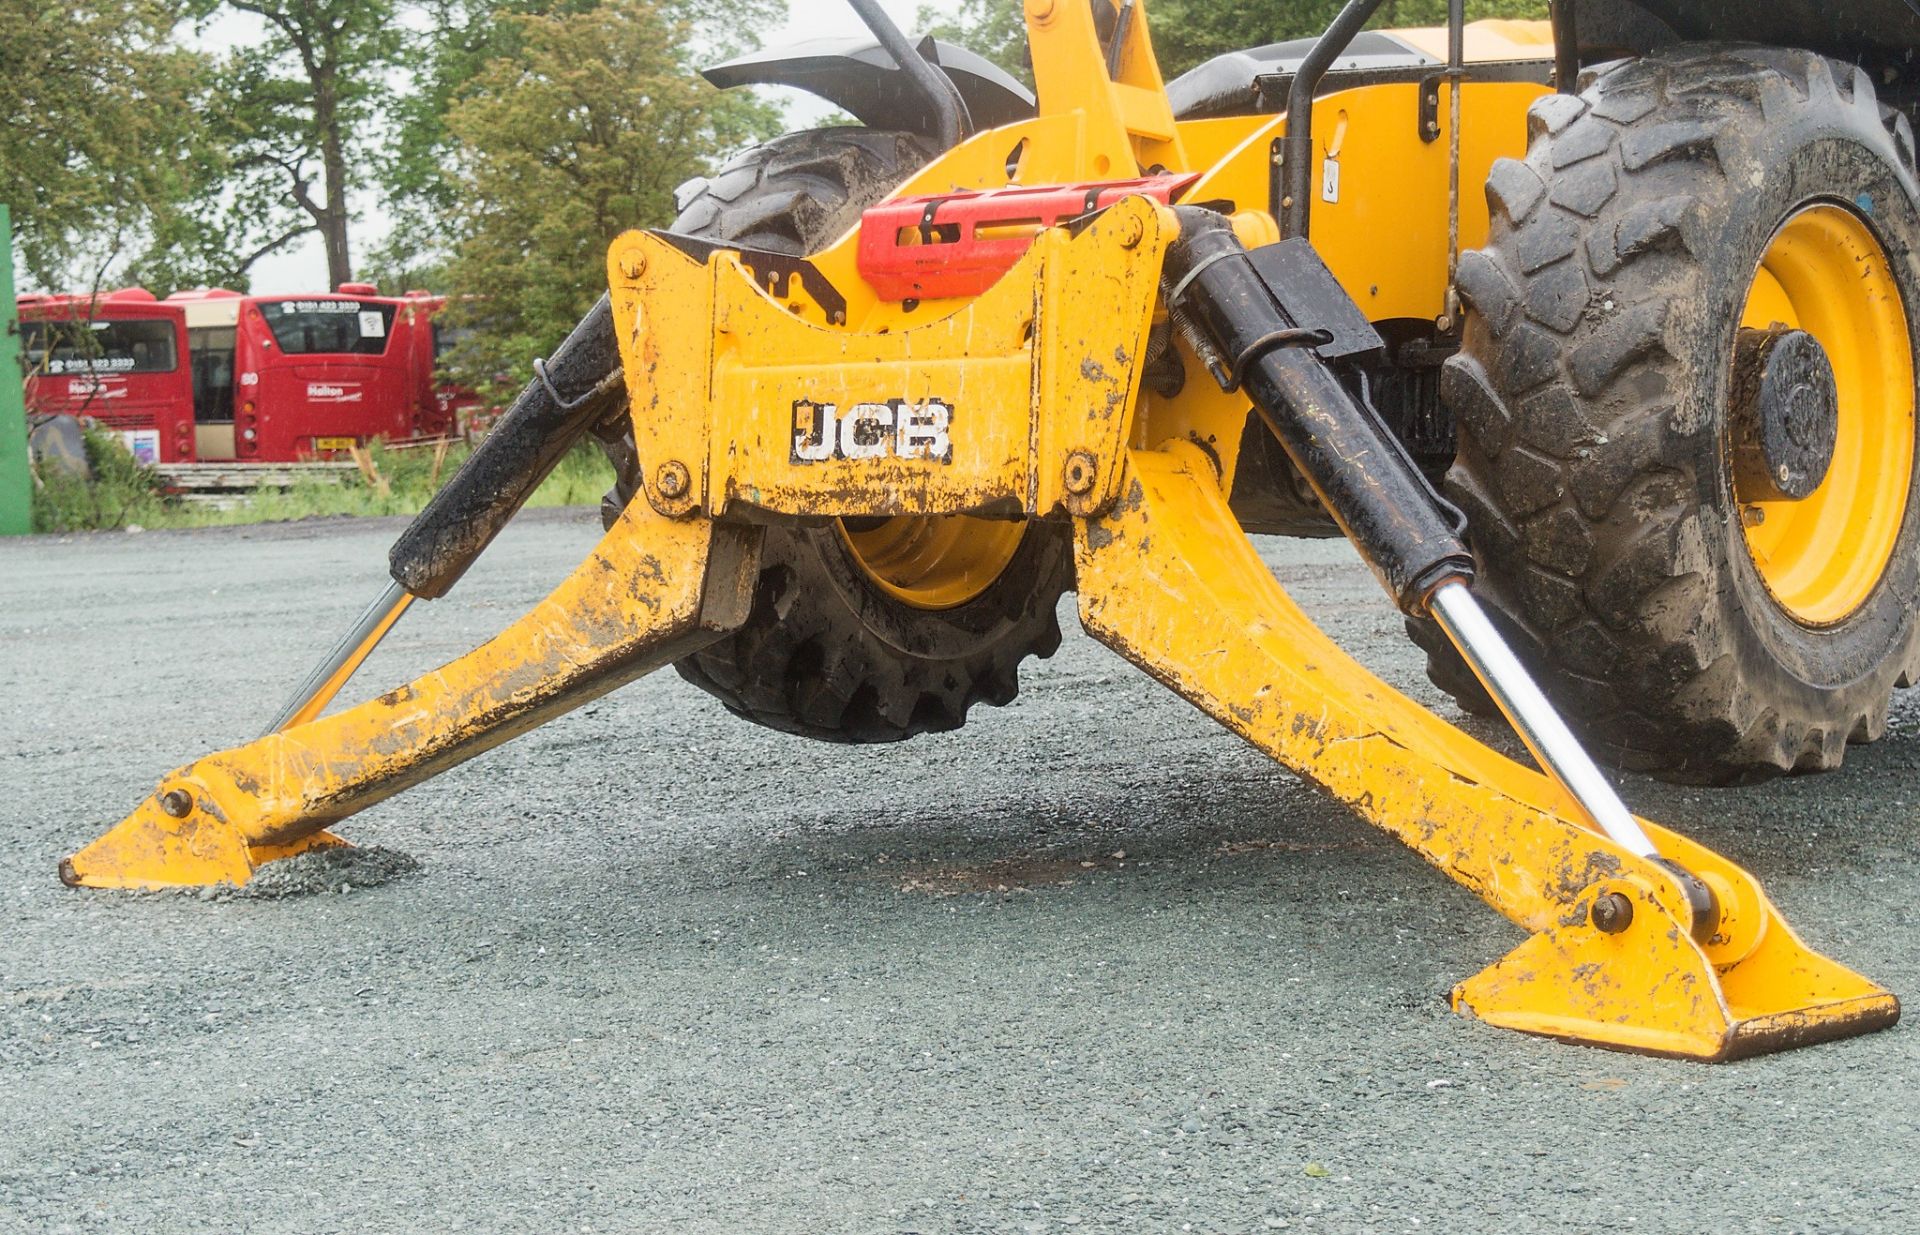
(16, 483)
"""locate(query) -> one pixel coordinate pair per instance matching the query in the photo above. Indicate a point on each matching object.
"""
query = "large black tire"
(825, 652)
(1591, 395)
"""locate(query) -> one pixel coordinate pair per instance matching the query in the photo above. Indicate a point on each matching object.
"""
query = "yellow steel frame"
(1043, 365)
(1041, 374)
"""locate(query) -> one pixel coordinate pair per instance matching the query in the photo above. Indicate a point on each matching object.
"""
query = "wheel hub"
(933, 562)
(1830, 384)
(1786, 410)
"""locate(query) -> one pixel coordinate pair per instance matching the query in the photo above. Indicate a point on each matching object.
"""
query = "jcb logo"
(898, 427)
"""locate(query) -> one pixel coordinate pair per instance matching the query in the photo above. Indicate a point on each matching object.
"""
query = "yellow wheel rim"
(1821, 557)
(933, 562)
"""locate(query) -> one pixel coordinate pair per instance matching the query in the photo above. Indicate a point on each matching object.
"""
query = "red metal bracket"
(959, 244)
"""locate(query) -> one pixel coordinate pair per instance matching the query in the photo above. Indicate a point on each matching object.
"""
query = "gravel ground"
(1090, 964)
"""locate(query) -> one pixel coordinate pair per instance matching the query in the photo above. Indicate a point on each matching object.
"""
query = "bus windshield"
(139, 345)
(340, 327)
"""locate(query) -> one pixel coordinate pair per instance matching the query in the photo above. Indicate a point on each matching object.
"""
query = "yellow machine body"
(1043, 372)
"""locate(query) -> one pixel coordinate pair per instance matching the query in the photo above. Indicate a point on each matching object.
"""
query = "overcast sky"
(302, 267)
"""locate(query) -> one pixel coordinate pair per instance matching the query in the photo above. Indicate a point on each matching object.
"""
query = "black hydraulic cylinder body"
(580, 385)
(1408, 533)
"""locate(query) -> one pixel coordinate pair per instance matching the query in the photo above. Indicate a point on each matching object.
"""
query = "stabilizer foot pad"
(150, 849)
(1651, 989)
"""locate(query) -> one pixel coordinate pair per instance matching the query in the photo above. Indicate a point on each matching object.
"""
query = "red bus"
(119, 358)
(277, 378)
(461, 407)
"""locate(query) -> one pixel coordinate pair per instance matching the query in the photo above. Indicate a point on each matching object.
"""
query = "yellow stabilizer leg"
(313, 699)
(652, 591)
(1168, 579)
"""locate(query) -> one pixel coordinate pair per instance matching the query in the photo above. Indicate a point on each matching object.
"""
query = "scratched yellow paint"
(1167, 579)
(652, 591)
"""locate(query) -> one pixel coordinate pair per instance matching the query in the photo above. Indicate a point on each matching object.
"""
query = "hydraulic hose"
(929, 80)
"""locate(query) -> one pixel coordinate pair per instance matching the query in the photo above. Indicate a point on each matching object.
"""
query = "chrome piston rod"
(1527, 709)
(331, 674)
(1247, 312)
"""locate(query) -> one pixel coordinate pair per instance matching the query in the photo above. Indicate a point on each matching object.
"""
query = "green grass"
(123, 494)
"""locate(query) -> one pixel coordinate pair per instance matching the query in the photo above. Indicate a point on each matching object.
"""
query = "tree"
(103, 136)
(299, 114)
(580, 134)
(1186, 32)
(444, 54)
(458, 39)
